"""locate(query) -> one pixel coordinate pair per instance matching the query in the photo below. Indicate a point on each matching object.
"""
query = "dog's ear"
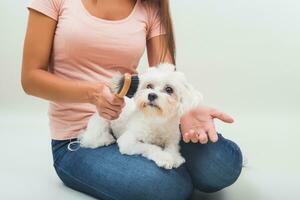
(190, 97)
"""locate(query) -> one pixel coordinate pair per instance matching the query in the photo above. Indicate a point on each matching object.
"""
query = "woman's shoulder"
(54, 5)
(50, 8)
(149, 8)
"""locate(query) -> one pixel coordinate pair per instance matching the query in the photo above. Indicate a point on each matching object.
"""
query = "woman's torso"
(87, 48)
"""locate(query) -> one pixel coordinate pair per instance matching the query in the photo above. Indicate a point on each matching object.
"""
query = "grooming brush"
(125, 85)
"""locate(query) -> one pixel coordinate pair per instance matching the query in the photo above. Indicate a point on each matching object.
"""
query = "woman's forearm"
(36, 80)
(43, 84)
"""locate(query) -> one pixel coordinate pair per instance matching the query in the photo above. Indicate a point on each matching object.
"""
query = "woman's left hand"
(198, 125)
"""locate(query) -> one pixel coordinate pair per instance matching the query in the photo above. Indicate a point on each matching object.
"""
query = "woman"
(71, 50)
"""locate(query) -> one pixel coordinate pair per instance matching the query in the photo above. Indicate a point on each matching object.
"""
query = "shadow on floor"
(205, 196)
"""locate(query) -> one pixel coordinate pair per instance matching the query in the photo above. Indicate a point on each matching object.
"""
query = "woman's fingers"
(114, 100)
(108, 105)
(186, 138)
(123, 104)
(113, 114)
(111, 98)
(112, 106)
(222, 116)
(212, 134)
(107, 94)
(105, 116)
(117, 101)
(194, 137)
(202, 136)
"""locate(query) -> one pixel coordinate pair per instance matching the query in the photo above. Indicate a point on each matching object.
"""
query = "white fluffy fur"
(149, 130)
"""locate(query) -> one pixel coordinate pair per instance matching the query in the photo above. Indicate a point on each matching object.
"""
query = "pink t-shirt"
(91, 49)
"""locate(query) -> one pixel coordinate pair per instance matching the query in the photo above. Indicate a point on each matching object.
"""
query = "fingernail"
(204, 142)
(214, 139)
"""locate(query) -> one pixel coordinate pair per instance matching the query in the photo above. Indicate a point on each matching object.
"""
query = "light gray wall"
(243, 52)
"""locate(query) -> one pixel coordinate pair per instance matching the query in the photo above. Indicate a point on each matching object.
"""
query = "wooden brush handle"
(126, 85)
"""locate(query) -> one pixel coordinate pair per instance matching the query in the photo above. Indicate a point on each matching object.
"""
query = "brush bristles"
(117, 83)
(133, 86)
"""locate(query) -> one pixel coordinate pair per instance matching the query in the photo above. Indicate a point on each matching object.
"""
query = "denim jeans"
(106, 174)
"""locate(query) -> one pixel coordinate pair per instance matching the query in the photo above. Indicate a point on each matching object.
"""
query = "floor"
(271, 160)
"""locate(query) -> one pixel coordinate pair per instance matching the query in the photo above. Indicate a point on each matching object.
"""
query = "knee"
(218, 165)
(161, 185)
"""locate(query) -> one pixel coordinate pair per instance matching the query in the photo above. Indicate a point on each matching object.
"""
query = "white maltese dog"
(149, 123)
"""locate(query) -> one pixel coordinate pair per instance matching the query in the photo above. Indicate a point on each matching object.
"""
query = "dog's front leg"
(130, 145)
(97, 133)
(173, 148)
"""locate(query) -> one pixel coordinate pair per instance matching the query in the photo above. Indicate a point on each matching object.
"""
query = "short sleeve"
(154, 23)
(50, 8)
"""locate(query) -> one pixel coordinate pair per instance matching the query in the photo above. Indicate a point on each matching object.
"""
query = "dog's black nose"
(152, 96)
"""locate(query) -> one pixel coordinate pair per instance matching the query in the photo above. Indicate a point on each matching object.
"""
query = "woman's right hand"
(109, 105)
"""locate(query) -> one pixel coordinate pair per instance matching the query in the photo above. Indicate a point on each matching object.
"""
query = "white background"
(243, 55)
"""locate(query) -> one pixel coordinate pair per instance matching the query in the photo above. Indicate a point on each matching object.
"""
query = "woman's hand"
(109, 106)
(197, 125)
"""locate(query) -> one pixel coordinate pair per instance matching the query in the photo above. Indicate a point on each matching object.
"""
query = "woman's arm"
(36, 80)
(155, 50)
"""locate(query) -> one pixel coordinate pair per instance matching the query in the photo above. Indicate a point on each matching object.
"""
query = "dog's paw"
(108, 140)
(126, 149)
(178, 160)
(103, 140)
(163, 159)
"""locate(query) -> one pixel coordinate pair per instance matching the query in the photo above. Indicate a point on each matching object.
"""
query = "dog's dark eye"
(169, 90)
(149, 86)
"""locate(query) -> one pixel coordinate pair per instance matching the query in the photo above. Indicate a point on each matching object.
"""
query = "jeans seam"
(81, 182)
(240, 158)
(237, 148)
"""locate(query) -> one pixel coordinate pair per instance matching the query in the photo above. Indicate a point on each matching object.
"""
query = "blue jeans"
(106, 174)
